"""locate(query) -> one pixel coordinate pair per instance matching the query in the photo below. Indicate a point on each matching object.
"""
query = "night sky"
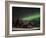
(25, 11)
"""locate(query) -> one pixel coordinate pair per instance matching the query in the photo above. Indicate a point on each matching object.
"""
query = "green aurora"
(32, 17)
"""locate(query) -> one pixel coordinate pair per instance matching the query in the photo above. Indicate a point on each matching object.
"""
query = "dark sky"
(24, 11)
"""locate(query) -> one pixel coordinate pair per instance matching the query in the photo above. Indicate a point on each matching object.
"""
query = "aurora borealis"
(25, 17)
(29, 18)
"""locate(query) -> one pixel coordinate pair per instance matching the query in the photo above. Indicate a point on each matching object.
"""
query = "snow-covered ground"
(25, 29)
